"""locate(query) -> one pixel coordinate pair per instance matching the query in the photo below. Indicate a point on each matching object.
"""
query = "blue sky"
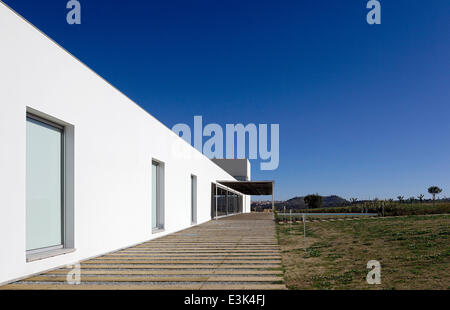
(364, 110)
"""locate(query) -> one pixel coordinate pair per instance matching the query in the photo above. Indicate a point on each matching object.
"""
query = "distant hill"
(299, 203)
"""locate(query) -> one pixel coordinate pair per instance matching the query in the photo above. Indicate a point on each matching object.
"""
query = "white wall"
(115, 141)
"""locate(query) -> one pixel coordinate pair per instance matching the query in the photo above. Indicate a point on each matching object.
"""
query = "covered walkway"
(236, 252)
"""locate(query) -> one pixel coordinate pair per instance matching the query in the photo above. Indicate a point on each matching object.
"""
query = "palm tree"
(411, 199)
(400, 198)
(434, 190)
(353, 200)
(420, 197)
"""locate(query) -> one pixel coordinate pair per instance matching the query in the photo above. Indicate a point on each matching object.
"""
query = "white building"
(84, 170)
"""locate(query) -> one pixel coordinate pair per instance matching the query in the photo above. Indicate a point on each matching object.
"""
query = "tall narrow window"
(44, 185)
(157, 196)
(213, 200)
(193, 199)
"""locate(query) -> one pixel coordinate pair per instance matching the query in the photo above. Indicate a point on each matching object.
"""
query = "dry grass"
(414, 253)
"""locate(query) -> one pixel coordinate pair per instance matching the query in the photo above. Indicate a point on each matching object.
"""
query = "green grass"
(414, 253)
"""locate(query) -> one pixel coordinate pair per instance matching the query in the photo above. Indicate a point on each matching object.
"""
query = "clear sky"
(364, 110)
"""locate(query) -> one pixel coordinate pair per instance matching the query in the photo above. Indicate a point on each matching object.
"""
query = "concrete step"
(146, 278)
(115, 286)
(242, 272)
(185, 266)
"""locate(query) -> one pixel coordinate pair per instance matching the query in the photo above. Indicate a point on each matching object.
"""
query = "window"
(44, 185)
(213, 200)
(49, 188)
(193, 199)
(225, 202)
(157, 196)
(221, 202)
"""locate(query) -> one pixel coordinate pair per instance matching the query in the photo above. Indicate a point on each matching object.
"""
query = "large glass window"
(44, 184)
(157, 196)
(213, 200)
(225, 202)
(193, 199)
(222, 200)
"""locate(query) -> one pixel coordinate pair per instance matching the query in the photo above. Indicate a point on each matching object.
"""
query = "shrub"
(390, 209)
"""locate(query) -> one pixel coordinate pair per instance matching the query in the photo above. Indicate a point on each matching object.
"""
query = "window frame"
(159, 196)
(30, 253)
(218, 205)
(194, 194)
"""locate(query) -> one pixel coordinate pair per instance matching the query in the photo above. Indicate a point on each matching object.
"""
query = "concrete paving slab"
(234, 253)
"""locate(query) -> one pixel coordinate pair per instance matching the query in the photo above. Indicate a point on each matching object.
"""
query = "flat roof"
(250, 187)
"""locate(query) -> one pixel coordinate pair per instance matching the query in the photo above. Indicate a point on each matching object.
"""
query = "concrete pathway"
(236, 252)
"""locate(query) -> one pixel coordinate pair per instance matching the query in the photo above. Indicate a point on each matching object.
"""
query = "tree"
(400, 198)
(434, 190)
(353, 200)
(313, 201)
(411, 199)
(421, 197)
